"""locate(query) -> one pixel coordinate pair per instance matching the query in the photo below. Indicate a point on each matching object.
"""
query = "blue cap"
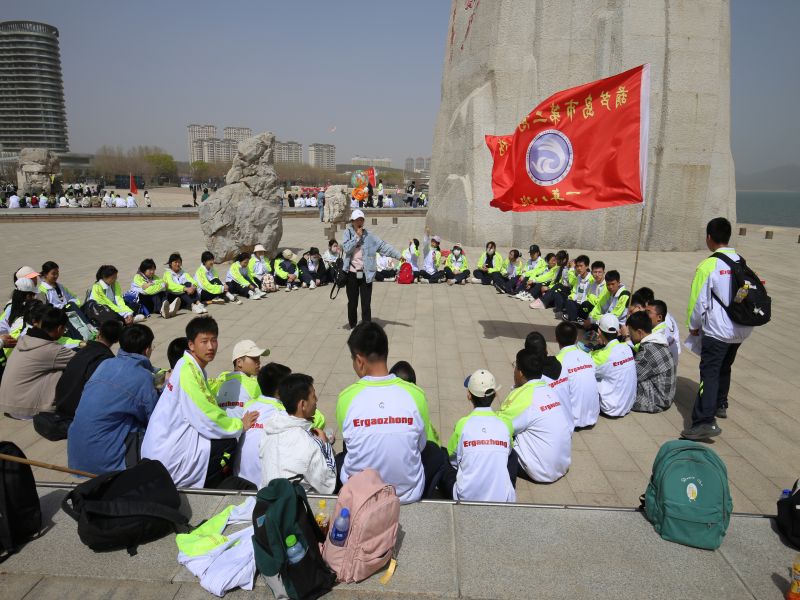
(345, 512)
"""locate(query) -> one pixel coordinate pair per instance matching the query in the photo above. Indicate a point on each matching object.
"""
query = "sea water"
(768, 208)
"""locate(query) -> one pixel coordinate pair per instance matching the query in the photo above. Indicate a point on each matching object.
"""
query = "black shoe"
(722, 412)
(498, 288)
(703, 431)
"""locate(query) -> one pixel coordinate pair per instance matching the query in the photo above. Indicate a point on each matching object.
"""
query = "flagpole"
(638, 247)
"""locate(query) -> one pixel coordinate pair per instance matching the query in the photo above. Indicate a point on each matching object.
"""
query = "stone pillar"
(504, 57)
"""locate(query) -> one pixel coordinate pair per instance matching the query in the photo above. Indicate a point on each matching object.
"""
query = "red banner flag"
(372, 175)
(581, 149)
(132, 186)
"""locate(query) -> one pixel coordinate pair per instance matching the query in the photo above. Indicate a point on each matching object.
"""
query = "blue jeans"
(716, 359)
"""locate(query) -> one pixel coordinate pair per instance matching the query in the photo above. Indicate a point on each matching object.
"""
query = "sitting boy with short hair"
(479, 468)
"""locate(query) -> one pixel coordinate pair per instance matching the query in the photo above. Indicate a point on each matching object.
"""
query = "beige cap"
(26, 273)
(259, 248)
(247, 348)
(481, 383)
(289, 255)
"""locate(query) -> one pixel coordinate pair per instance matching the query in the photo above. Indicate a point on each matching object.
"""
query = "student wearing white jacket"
(188, 432)
(291, 448)
(578, 367)
(615, 370)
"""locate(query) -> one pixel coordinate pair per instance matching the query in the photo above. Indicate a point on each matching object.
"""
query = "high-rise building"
(409, 164)
(363, 161)
(196, 133)
(214, 150)
(32, 111)
(289, 152)
(322, 156)
(419, 164)
(237, 133)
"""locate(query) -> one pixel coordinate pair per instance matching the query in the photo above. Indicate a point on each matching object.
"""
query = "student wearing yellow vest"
(489, 262)
(181, 286)
(212, 290)
(236, 388)
(585, 296)
(533, 267)
(456, 266)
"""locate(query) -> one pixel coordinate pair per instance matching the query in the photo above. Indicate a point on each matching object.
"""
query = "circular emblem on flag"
(549, 157)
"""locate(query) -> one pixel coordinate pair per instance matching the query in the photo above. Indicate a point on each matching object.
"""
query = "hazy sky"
(139, 72)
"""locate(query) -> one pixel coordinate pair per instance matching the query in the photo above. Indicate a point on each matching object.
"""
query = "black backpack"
(126, 508)
(789, 516)
(20, 511)
(756, 308)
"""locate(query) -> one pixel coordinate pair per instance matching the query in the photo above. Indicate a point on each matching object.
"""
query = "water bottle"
(294, 550)
(741, 294)
(340, 529)
(786, 494)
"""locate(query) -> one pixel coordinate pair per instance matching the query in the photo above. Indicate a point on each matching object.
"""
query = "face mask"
(490, 252)
(456, 253)
(411, 248)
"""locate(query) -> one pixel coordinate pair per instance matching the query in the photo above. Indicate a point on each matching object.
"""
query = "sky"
(362, 74)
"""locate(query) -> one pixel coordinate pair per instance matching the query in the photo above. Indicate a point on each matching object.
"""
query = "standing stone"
(248, 210)
(34, 170)
(504, 57)
(335, 204)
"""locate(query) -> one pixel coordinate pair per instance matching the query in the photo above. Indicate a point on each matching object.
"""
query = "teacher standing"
(360, 247)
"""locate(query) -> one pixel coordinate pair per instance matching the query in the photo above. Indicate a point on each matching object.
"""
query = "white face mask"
(456, 253)
(411, 248)
(490, 252)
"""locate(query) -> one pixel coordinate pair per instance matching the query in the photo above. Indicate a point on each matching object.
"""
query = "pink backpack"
(374, 519)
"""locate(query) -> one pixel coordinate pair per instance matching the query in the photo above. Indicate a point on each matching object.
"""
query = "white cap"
(26, 273)
(259, 248)
(25, 285)
(247, 348)
(357, 214)
(609, 323)
(481, 383)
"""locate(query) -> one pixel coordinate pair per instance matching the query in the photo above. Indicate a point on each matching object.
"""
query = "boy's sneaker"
(165, 310)
(139, 318)
(230, 296)
(253, 295)
(451, 281)
(423, 280)
(174, 307)
(537, 304)
(216, 301)
(520, 296)
(312, 285)
(498, 288)
(198, 309)
(722, 412)
(305, 285)
(474, 280)
(288, 287)
(390, 279)
(703, 431)
(558, 314)
(463, 282)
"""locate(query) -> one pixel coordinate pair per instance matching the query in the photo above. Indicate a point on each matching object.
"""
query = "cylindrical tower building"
(32, 112)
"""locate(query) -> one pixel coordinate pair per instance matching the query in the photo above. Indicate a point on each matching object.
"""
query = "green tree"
(200, 170)
(162, 164)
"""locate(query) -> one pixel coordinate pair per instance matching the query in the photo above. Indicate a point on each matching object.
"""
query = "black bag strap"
(5, 530)
(334, 285)
(128, 508)
(730, 262)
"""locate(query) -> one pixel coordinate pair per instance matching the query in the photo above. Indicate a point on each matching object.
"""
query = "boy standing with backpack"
(711, 296)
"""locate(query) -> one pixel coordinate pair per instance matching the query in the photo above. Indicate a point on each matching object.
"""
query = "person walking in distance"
(359, 248)
(720, 336)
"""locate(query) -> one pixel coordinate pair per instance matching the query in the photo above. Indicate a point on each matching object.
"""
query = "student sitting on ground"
(384, 422)
(55, 293)
(236, 388)
(292, 447)
(655, 369)
(578, 368)
(505, 280)
(404, 371)
(258, 265)
(239, 281)
(106, 293)
(312, 269)
(151, 292)
(585, 297)
(34, 368)
(193, 437)
(212, 290)
(558, 291)
(613, 301)
(386, 270)
(286, 271)
(580, 280)
(115, 407)
(411, 256)
(553, 372)
(431, 270)
(664, 323)
(615, 370)
(542, 426)
(539, 285)
(488, 263)
(181, 287)
(456, 266)
(532, 268)
(331, 255)
(479, 449)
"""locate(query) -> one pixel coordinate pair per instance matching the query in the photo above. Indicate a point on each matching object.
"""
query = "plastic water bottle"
(786, 494)
(340, 529)
(741, 294)
(294, 550)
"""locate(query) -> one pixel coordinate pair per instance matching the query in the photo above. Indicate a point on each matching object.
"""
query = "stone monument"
(35, 168)
(504, 57)
(336, 209)
(247, 210)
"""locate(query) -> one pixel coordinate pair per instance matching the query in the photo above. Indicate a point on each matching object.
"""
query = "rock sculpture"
(34, 170)
(336, 203)
(248, 210)
(504, 57)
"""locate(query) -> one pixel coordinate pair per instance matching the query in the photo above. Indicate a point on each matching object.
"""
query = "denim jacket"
(370, 245)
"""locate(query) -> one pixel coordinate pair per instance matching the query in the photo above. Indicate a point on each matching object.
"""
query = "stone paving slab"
(448, 332)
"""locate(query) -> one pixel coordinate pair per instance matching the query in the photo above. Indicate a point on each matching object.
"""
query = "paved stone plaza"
(447, 332)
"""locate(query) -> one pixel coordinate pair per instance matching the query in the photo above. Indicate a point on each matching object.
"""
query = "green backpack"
(688, 500)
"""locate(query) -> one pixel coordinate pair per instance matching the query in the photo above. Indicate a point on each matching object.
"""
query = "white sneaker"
(174, 307)
(230, 296)
(390, 278)
(423, 280)
(537, 304)
(262, 293)
(253, 295)
(474, 280)
(288, 288)
(305, 285)
(139, 318)
(203, 309)
(198, 309)
(216, 301)
(165, 310)
(312, 285)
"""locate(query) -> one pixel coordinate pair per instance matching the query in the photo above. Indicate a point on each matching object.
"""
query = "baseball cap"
(289, 255)
(534, 248)
(26, 273)
(609, 323)
(357, 214)
(313, 251)
(248, 348)
(481, 383)
(25, 285)
(437, 239)
(259, 248)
